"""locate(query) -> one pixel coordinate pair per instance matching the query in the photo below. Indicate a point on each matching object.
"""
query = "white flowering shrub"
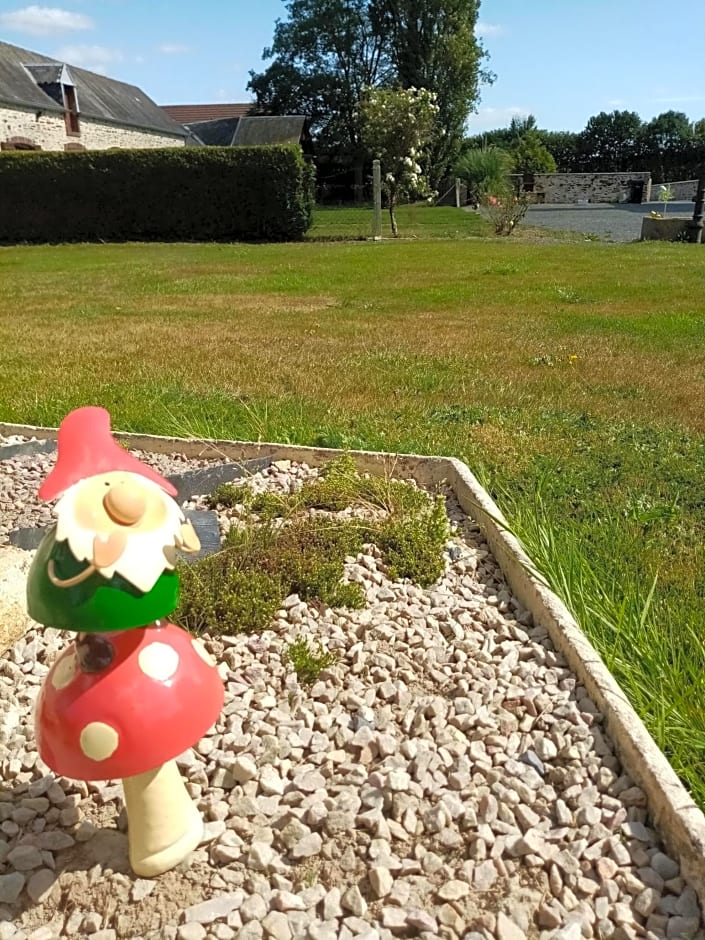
(396, 126)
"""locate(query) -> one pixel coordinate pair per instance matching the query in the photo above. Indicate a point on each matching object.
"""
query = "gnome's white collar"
(82, 519)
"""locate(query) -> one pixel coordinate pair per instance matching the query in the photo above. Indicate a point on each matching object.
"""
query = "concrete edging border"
(680, 822)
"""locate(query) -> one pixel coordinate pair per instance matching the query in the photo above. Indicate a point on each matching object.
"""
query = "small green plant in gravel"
(230, 494)
(218, 596)
(308, 659)
(286, 550)
(338, 486)
(412, 545)
(307, 557)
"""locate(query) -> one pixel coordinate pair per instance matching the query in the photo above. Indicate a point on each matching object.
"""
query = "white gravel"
(447, 777)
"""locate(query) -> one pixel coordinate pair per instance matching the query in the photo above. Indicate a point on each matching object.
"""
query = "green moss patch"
(284, 549)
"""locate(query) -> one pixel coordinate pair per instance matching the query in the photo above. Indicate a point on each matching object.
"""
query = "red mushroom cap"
(156, 698)
(86, 448)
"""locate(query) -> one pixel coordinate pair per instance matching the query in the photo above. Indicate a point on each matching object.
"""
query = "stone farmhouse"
(51, 105)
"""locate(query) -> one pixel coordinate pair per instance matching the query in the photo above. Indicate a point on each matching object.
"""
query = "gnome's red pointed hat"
(86, 448)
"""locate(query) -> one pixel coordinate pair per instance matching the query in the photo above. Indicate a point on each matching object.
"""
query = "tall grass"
(657, 659)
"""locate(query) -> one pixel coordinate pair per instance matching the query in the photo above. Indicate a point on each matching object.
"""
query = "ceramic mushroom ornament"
(133, 691)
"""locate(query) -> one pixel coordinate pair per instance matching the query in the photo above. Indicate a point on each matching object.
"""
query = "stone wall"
(664, 230)
(683, 190)
(48, 132)
(589, 187)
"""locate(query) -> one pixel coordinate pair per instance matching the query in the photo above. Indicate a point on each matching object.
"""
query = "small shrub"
(413, 545)
(340, 485)
(229, 495)
(308, 556)
(218, 597)
(270, 505)
(308, 660)
(483, 169)
(505, 210)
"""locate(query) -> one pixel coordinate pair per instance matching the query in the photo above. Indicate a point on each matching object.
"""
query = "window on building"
(73, 127)
(19, 143)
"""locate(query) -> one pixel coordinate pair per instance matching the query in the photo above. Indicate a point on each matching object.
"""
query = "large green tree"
(563, 146)
(432, 44)
(324, 57)
(327, 52)
(670, 147)
(611, 143)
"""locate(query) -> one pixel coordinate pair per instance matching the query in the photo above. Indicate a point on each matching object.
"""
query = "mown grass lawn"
(571, 378)
(415, 221)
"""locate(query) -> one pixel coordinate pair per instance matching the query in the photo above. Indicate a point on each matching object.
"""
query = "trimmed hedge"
(173, 194)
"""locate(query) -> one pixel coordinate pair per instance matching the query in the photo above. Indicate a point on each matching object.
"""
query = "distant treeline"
(670, 146)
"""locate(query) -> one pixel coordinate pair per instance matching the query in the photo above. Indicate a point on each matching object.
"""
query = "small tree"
(397, 126)
(665, 194)
(531, 156)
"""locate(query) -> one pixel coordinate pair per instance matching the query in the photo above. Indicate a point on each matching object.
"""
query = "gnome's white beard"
(143, 560)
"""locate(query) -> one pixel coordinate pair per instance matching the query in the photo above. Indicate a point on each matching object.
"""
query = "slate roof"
(99, 98)
(189, 113)
(214, 133)
(250, 131)
(281, 129)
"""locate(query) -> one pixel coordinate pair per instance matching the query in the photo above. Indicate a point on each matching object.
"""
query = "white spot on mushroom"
(64, 671)
(99, 741)
(203, 653)
(159, 661)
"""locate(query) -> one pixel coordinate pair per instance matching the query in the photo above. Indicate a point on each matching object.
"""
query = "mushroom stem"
(164, 826)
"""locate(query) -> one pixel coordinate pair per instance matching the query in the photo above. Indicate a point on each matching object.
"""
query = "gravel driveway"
(615, 223)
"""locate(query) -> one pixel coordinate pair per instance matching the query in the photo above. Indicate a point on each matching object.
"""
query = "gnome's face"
(122, 522)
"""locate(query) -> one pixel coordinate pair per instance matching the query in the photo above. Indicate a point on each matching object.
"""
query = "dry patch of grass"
(355, 324)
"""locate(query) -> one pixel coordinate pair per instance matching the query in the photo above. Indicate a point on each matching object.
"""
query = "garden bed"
(464, 766)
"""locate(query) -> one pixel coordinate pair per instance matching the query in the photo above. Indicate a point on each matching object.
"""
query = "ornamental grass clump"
(298, 543)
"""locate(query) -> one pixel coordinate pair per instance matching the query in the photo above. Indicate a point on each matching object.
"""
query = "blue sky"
(562, 60)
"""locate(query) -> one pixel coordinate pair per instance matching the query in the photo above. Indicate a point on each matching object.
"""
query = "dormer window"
(73, 127)
(55, 81)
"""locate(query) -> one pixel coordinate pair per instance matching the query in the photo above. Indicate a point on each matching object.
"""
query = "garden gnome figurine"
(132, 691)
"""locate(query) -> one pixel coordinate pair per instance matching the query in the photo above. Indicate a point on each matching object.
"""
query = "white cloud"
(173, 48)
(95, 58)
(44, 21)
(490, 119)
(616, 103)
(488, 29)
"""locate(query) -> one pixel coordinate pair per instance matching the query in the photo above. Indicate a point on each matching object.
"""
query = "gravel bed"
(21, 475)
(446, 777)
